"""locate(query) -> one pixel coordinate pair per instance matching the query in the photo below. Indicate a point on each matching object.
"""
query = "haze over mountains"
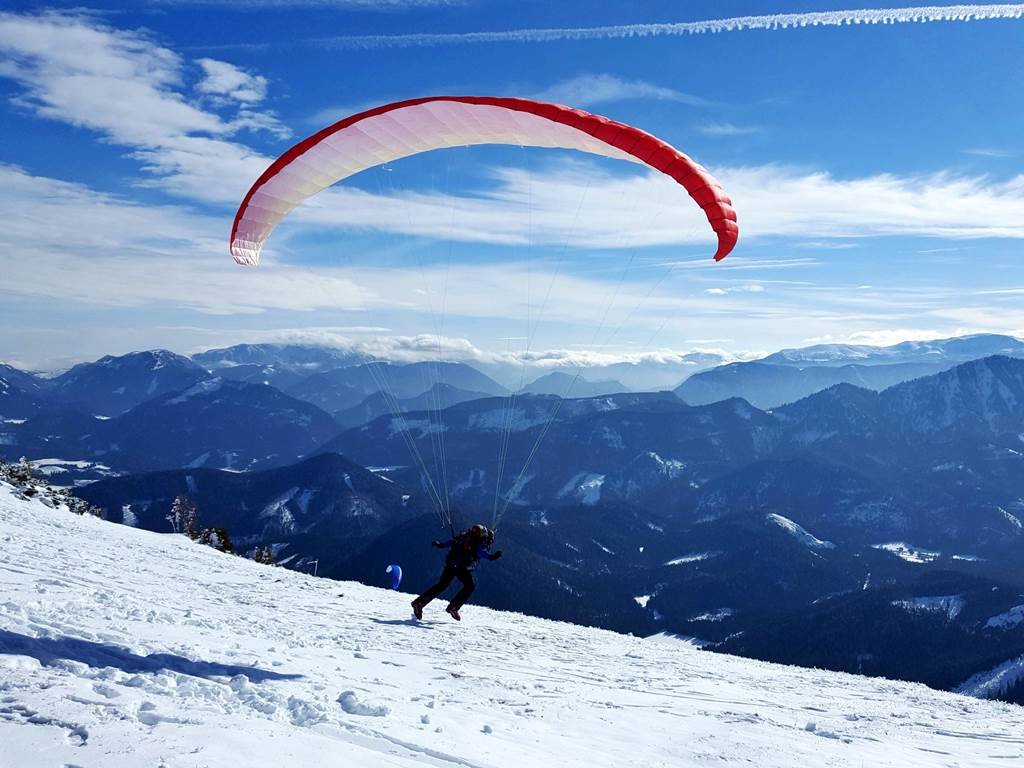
(896, 507)
(791, 374)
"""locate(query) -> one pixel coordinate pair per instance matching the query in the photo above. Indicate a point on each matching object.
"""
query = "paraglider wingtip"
(725, 246)
(245, 257)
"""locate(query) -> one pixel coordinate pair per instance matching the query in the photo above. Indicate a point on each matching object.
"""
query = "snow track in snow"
(121, 647)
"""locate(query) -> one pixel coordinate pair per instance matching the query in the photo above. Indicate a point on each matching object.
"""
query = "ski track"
(120, 647)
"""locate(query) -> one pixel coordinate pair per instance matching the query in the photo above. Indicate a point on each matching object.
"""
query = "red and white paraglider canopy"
(393, 131)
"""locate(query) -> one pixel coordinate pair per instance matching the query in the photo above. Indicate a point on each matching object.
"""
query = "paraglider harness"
(466, 547)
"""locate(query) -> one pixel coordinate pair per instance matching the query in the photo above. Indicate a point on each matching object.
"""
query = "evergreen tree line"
(184, 516)
(184, 519)
(22, 475)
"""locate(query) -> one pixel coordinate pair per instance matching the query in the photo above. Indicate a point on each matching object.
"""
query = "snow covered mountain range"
(812, 533)
(121, 647)
(792, 374)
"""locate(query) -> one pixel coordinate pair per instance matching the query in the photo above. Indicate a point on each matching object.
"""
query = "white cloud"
(70, 246)
(221, 78)
(582, 205)
(885, 337)
(332, 114)
(132, 91)
(775, 21)
(422, 347)
(589, 89)
(787, 201)
(744, 263)
(726, 129)
(44, 215)
(65, 241)
(581, 91)
(828, 245)
(355, 5)
(988, 152)
(753, 288)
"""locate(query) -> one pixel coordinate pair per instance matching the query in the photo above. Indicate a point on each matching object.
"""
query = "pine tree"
(264, 556)
(20, 475)
(184, 517)
(217, 538)
(76, 505)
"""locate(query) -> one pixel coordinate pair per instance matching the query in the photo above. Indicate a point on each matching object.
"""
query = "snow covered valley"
(121, 647)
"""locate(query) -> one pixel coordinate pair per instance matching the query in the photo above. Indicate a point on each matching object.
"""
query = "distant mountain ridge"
(25, 381)
(15, 403)
(309, 356)
(789, 375)
(569, 385)
(340, 389)
(324, 507)
(958, 349)
(114, 385)
(215, 423)
(705, 459)
(439, 396)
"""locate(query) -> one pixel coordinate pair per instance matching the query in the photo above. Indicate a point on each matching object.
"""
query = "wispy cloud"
(67, 246)
(727, 129)
(776, 21)
(590, 89)
(740, 263)
(133, 92)
(66, 241)
(584, 90)
(332, 114)
(432, 347)
(883, 337)
(221, 78)
(354, 5)
(583, 206)
(827, 245)
(752, 288)
(988, 152)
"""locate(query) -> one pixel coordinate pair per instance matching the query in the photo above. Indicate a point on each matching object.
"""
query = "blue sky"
(876, 171)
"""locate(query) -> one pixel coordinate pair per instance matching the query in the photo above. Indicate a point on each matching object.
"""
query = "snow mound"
(201, 389)
(950, 605)
(351, 704)
(585, 486)
(695, 557)
(996, 681)
(1008, 619)
(908, 552)
(121, 648)
(800, 533)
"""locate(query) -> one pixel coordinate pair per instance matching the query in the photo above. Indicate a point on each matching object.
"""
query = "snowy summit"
(121, 647)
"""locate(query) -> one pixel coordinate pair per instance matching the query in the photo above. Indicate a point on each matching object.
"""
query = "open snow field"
(120, 647)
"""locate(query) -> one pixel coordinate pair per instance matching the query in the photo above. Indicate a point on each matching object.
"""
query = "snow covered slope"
(120, 647)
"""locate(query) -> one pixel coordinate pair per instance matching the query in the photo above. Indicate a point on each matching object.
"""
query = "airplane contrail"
(921, 14)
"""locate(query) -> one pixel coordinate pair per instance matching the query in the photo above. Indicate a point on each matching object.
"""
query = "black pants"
(449, 573)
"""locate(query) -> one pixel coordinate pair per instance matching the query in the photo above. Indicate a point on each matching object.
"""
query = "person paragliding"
(464, 552)
(383, 134)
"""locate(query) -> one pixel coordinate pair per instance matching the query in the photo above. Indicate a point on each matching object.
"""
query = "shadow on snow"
(49, 650)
